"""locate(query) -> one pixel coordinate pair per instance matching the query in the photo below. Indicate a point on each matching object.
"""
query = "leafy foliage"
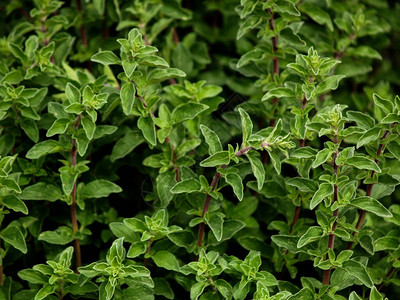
(215, 149)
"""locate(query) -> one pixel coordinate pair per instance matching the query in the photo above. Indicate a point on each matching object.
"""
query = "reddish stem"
(274, 43)
(388, 274)
(175, 35)
(82, 29)
(146, 260)
(368, 190)
(74, 220)
(214, 182)
(295, 218)
(331, 241)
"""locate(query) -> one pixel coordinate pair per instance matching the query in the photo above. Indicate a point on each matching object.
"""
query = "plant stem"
(388, 274)
(202, 226)
(331, 241)
(60, 291)
(274, 45)
(82, 28)
(214, 183)
(146, 260)
(298, 208)
(74, 221)
(368, 190)
(295, 218)
(174, 157)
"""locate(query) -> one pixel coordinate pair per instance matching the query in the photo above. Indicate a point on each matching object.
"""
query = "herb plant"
(212, 149)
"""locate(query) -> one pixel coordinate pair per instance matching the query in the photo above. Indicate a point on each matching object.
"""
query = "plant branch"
(274, 44)
(388, 274)
(368, 190)
(74, 220)
(82, 29)
(331, 241)
(217, 176)
(146, 259)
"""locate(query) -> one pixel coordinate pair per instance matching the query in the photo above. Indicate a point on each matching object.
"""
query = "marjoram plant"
(215, 149)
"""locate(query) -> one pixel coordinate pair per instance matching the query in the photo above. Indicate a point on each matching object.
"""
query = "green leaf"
(166, 260)
(126, 145)
(212, 140)
(147, 126)
(363, 163)
(321, 157)
(217, 159)
(14, 203)
(371, 205)
(313, 233)
(159, 75)
(356, 269)
(385, 105)
(197, 289)
(257, 167)
(153, 61)
(127, 95)
(331, 83)
(375, 295)
(68, 177)
(363, 120)
(88, 126)
(303, 184)
(208, 91)
(247, 124)
(252, 55)
(235, 181)
(394, 148)
(33, 276)
(58, 127)
(287, 7)
(391, 118)
(386, 243)
(304, 152)
(164, 182)
(61, 236)
(30, 128)
(288, 242)
(44, 148)
(372, 134)
(106, 58)
(136, 249)
(162, 288)
(278, 92)
(216, 223)
(13, 77)
(73, 93)
(186, 186)
(41, 191)
(276, 161)
(363, 51)
(324, 191)
(45, 291)
(99, 188)
(13, 235)
(317, 14)
(187, 111)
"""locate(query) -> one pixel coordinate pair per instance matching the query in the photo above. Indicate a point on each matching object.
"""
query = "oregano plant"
(218, 149)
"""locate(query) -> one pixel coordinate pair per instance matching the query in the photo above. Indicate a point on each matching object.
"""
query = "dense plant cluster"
(215, 149)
